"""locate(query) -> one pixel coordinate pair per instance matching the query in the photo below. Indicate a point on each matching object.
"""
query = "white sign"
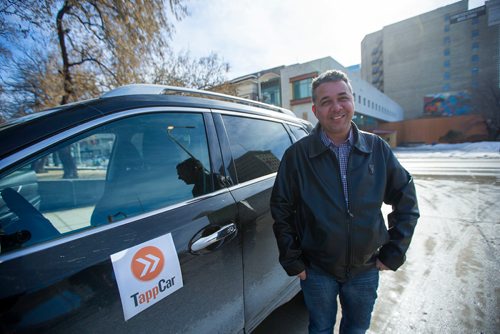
(146, 274)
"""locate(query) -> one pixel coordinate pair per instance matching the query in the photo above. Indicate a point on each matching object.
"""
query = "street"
(450, 282)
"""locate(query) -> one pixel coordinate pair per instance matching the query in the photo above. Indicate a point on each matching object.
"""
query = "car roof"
(23, 132)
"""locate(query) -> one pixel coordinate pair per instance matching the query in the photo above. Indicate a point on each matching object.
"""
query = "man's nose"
(335, 106)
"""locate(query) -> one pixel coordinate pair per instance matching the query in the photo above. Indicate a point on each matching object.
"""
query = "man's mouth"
(338, 117)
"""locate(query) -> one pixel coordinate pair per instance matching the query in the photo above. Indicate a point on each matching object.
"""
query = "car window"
(298, 132)
(125, 168)
(257, 146)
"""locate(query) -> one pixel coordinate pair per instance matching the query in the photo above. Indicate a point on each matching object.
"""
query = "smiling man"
(326, 203)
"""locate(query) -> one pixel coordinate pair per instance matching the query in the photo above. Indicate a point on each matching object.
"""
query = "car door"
(255, 147)
(143, 176)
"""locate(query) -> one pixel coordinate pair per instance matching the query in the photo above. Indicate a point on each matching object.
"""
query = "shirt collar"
(327, 141)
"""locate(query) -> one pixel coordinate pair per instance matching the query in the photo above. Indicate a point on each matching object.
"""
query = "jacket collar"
(316, 146)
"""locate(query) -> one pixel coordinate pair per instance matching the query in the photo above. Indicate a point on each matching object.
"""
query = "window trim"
(303, 77)
(24, 154)
(265, 118)
(71, 237)
(252, 181)
(228, 154)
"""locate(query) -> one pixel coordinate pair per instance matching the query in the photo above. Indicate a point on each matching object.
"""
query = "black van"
(146, 210)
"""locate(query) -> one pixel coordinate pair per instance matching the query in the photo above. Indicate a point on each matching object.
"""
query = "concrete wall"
(435, 130)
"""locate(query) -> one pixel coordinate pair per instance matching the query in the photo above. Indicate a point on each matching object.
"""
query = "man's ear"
(313, 109)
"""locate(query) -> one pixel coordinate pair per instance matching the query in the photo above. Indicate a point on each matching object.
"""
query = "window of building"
(364, 101)
(447, 28)
(446, 40)
(474, 58)
(271, 92)
(120, 170)
(446, 87)
(302, 88)
(475, 33)
(474, 20)
(365, 122)
(446, 51)
(446, 75)
(359, 99)
(475, 46)
(257, 146)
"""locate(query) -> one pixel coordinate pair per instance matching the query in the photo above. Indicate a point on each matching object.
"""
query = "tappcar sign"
(146, 274)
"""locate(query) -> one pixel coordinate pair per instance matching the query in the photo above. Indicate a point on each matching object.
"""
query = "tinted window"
(116, 171)
(298, 132)
(257, 146)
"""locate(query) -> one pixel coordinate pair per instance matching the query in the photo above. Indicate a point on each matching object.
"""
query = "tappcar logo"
(147, 263)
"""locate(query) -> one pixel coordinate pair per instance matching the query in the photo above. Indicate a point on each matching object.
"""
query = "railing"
(139, 89)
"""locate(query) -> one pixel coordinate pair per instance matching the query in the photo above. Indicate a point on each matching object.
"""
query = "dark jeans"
(357, 298)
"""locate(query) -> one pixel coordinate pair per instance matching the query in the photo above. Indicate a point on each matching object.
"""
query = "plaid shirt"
(342, 153)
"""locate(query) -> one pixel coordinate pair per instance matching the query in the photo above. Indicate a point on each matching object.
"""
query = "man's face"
(334, 109)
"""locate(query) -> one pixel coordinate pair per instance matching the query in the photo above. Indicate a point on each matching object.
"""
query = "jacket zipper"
(350, 216)
(349, 222)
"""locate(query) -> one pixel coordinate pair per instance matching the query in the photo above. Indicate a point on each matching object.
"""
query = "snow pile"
(464, 150)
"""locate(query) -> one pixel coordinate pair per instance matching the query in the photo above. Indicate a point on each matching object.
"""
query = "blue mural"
(447, 104)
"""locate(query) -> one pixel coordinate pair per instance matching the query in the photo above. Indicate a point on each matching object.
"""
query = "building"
(290, 87)
(262, 86)
(441, 63)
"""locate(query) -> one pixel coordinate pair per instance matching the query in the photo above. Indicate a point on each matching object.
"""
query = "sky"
(254, 35)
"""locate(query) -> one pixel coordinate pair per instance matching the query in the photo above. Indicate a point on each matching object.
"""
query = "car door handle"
(219, 235)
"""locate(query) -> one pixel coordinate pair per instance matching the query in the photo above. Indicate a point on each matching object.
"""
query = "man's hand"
(302, 275)
(381, 266)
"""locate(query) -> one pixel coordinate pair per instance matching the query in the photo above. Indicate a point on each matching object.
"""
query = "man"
(192, 171)
(326, 203)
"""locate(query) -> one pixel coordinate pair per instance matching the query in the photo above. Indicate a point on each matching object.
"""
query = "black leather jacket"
(313, 224)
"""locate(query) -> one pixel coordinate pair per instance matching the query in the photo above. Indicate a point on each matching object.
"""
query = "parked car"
(145, 210)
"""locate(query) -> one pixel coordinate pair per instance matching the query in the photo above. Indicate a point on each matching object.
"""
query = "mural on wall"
(447, 104)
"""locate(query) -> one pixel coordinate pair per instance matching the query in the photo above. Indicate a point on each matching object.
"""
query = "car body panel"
(75, 278)
(67, 284)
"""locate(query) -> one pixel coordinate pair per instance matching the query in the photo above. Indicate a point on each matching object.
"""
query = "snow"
(464, 150)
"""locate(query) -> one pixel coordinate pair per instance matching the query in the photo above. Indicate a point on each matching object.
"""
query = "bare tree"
(183, 70)
(110, 41)
(118, 38)
(95, 45)
(486, 102)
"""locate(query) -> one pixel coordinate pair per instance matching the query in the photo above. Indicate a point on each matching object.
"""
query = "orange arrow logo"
(147, 263)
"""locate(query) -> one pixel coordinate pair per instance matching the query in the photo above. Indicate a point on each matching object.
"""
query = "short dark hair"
(329, 76)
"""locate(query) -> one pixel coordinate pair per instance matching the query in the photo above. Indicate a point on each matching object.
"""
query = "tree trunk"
(68, 84)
